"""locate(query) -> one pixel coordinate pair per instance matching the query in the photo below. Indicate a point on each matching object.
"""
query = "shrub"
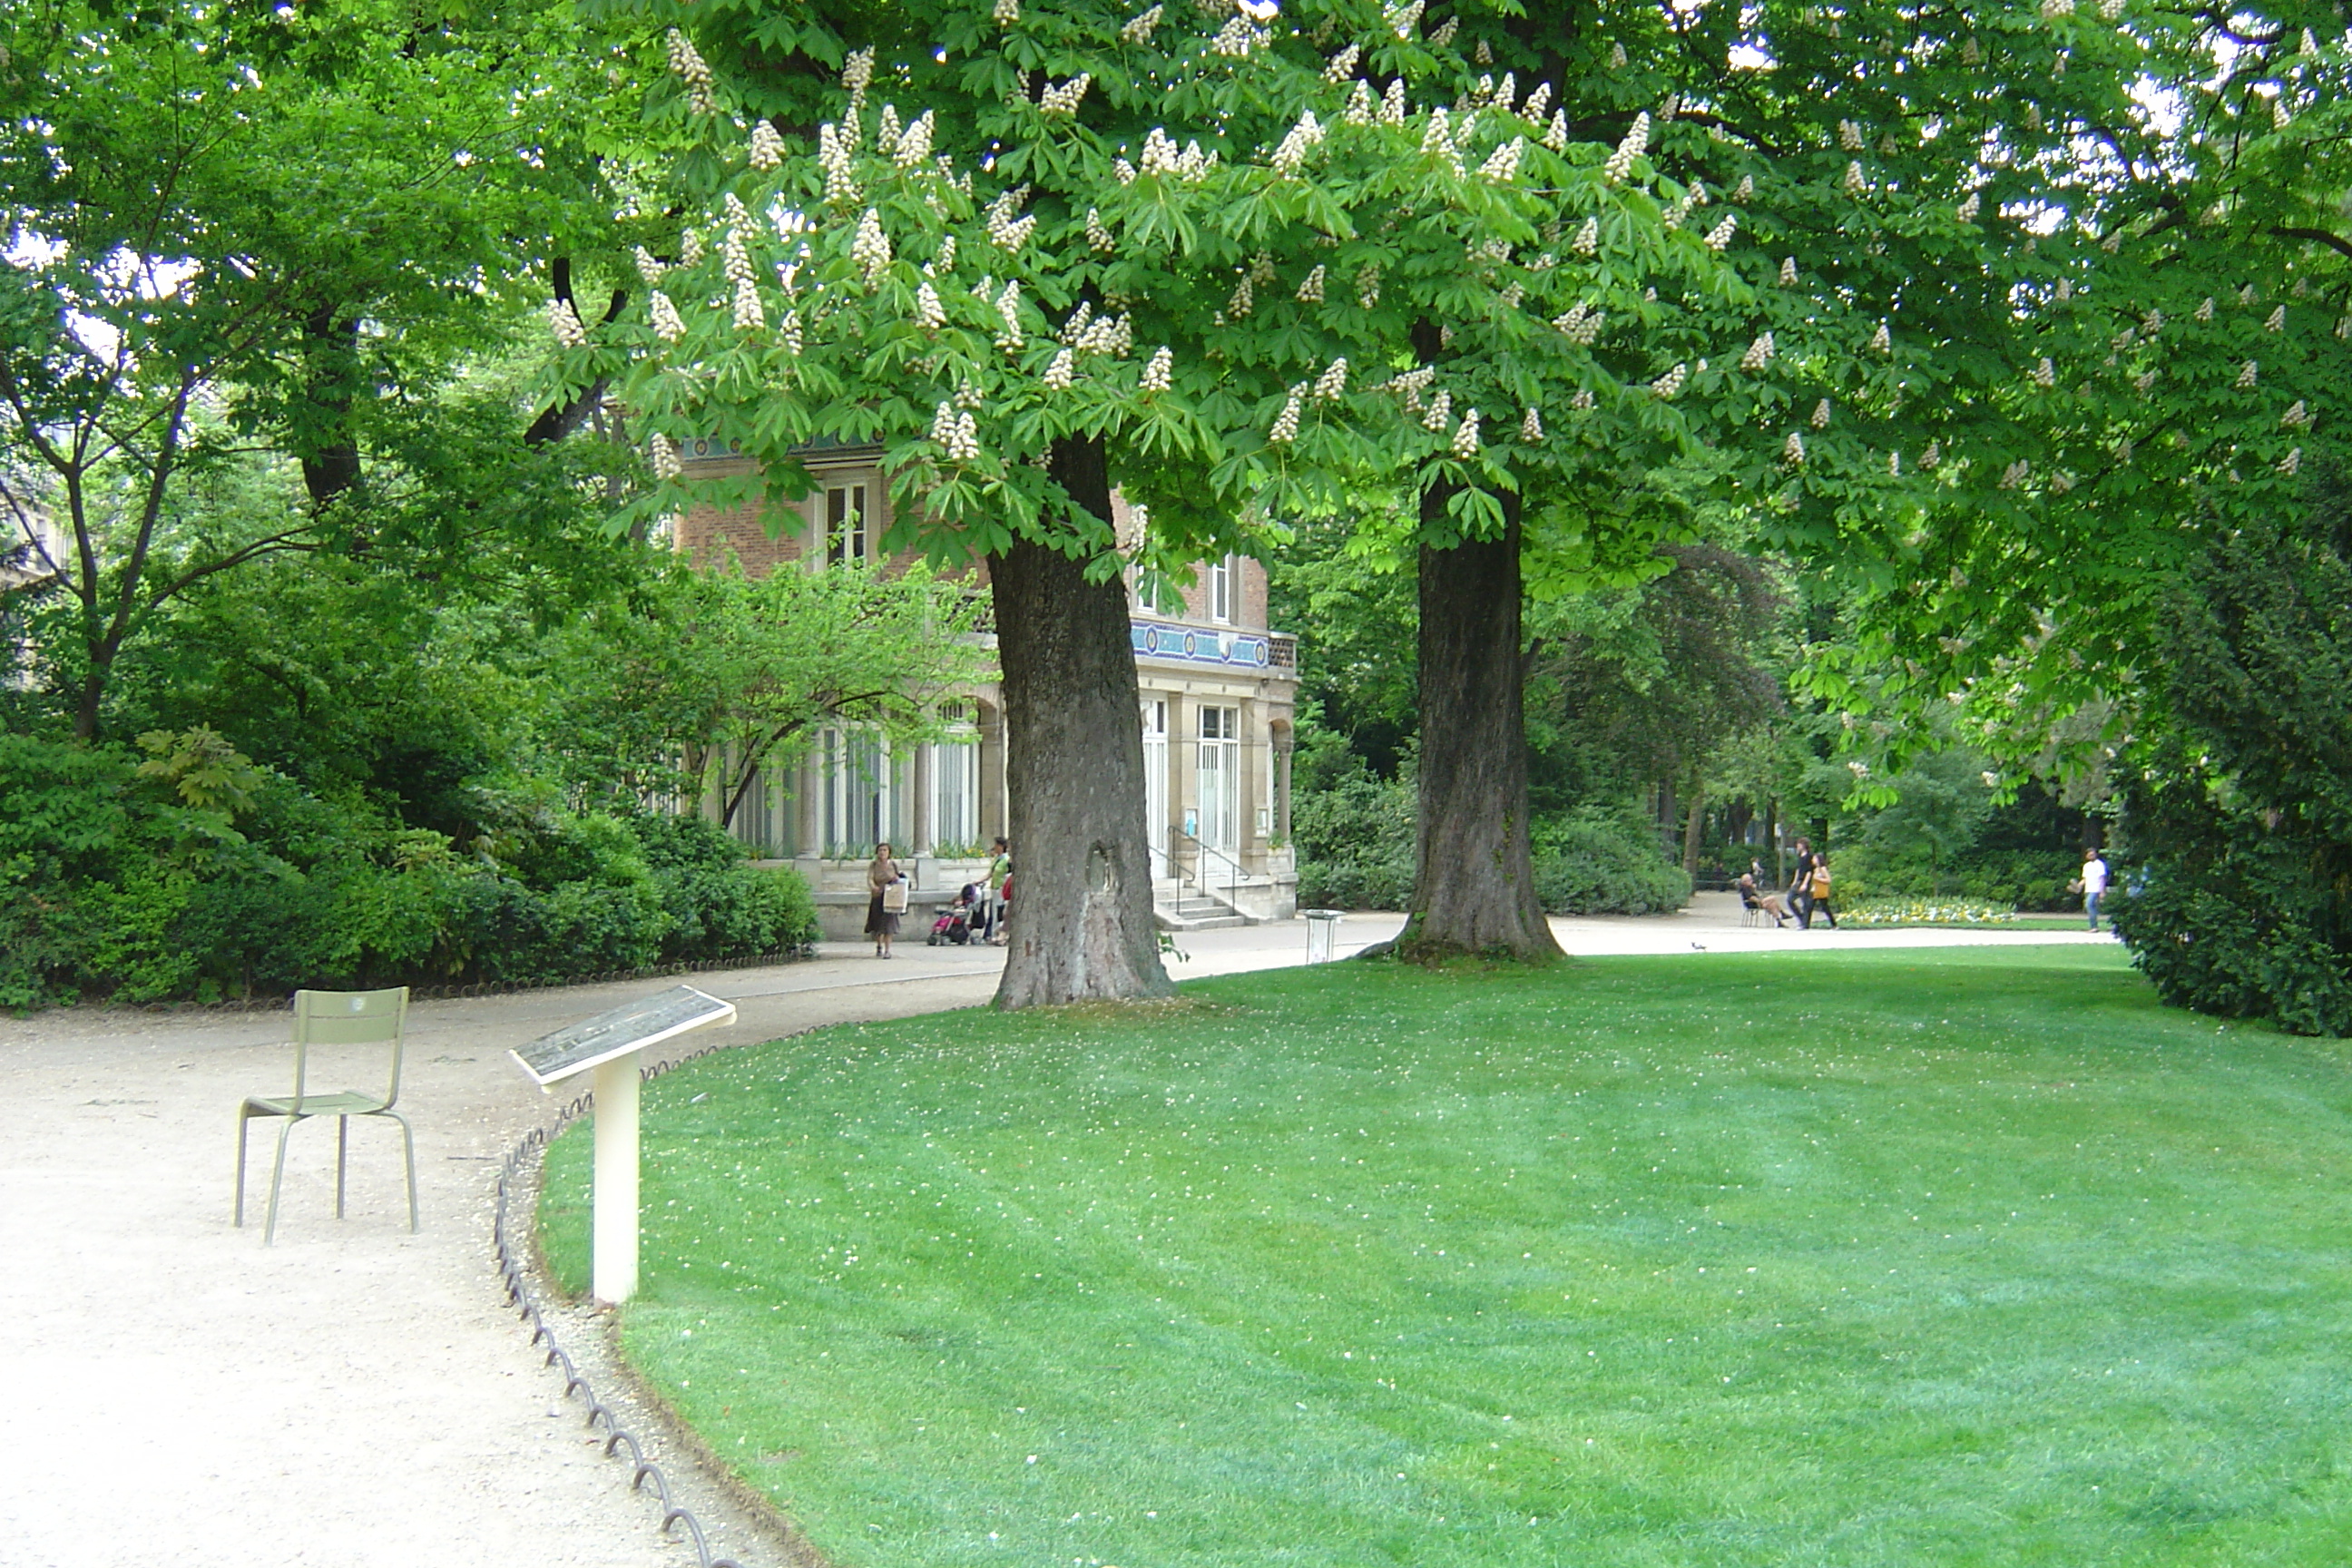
(1605, 863)
(2228, 915)
(2239, 814)
(2019, 878)
(1356, 852)
(1355, 843)
(112, 886)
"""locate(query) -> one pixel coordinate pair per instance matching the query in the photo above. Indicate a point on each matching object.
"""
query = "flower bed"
(1925, 912)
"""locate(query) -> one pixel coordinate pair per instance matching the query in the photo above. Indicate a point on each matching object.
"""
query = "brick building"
(1218, 688)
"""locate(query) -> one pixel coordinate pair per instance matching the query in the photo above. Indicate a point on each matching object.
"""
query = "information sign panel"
(577, 1047)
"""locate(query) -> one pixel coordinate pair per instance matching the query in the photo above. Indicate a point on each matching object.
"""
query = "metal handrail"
(1235, 875)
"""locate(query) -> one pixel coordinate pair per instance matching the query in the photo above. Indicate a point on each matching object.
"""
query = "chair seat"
(317, 1105)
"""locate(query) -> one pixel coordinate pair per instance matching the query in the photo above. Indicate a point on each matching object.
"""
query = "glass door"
(1221, 778)
(1155, 784)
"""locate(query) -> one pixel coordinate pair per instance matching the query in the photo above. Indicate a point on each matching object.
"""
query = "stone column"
(810, 799)
(991, 771)
(1183, 784)
(1285, 740)
(919, 819)
(1251, 851)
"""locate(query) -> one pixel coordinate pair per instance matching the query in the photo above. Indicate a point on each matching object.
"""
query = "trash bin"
(1322, 933)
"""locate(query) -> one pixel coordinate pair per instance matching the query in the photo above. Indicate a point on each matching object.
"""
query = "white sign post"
(609, 1045)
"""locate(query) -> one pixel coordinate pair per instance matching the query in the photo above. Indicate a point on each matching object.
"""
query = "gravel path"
(357, 1396)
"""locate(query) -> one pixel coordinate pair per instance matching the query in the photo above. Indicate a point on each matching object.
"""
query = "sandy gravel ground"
(357, 1396)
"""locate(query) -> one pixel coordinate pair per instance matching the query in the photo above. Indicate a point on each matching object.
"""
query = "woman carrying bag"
(1819, 887)
(889, 901)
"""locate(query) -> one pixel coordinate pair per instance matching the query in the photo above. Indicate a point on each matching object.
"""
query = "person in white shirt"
(2094, 883)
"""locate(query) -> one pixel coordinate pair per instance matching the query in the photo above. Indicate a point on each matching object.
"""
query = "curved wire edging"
(518, 1297)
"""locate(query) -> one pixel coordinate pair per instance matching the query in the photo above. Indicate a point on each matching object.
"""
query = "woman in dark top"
(880, 924)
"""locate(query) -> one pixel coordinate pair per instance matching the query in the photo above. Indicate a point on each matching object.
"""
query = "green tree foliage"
(1942, 802)
(1647, 684)
(724, 672)
(2238, 813)
(230, 223)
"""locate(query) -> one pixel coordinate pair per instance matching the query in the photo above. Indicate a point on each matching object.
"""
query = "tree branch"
(2316, 236)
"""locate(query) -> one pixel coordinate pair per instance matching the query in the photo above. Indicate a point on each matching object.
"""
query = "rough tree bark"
(1082, 926)
(1474, 877)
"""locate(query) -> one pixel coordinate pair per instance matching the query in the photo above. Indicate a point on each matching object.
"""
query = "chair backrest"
(349, 1018)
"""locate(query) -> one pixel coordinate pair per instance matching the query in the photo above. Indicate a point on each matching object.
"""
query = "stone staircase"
(1180, 909)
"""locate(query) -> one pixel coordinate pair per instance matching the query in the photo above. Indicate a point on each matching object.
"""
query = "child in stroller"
(955, 921)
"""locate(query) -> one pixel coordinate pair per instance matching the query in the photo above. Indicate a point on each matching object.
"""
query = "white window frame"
(1220, 591)
(858, 776)
(955, 779)
(845, 522)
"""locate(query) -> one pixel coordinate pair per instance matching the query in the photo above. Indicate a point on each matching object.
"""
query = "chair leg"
(277, 1179)
(244, 1120)
(343, 1150)
(408, 1152)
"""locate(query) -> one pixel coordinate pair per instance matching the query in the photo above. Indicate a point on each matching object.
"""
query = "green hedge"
(112, 888)
(1605, 863)
(1356, 852)
(2028, 880)
(2238, 816)
(2231, 910)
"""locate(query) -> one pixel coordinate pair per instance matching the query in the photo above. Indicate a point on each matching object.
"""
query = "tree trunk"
(329, 457)
(1081, 926)
(1772, 841)
(1693, 829)
(1474, 877)
(93, 694)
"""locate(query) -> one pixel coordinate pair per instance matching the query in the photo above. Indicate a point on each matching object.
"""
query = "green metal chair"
(333, 1018)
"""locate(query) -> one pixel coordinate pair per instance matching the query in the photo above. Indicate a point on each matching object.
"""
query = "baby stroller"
(954, 924)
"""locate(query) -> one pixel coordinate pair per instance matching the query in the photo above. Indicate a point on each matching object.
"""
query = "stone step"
(1207, 922)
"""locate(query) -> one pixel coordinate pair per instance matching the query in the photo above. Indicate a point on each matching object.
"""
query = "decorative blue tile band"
(1195, 645)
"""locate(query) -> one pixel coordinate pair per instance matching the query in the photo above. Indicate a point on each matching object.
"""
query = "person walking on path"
(2094, 884)
(881, 922)
(1817, 890)
(1801, 886)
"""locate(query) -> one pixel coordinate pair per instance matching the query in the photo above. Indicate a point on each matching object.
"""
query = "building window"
(1152, 595)
(1219, 778)
(955, 783)
(1220, 590)
(761, 818)
(857, 804)
(845, 523)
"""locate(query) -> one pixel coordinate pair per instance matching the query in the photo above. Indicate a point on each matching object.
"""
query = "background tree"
(229, 225)
(715, 674)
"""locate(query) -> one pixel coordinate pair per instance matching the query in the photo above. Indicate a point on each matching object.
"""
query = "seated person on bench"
(1751, 897)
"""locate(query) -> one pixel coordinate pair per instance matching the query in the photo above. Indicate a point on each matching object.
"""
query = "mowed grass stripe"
(1959, 1257)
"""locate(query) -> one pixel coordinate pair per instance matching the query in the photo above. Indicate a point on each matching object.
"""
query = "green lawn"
(1974, 1256)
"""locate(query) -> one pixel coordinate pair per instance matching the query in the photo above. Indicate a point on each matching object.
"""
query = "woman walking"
(1801, 886)
(881, 924)
(1818, 887)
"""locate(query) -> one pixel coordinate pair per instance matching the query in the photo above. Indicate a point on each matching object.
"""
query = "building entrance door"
(1155, 785)
(1221, 778)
